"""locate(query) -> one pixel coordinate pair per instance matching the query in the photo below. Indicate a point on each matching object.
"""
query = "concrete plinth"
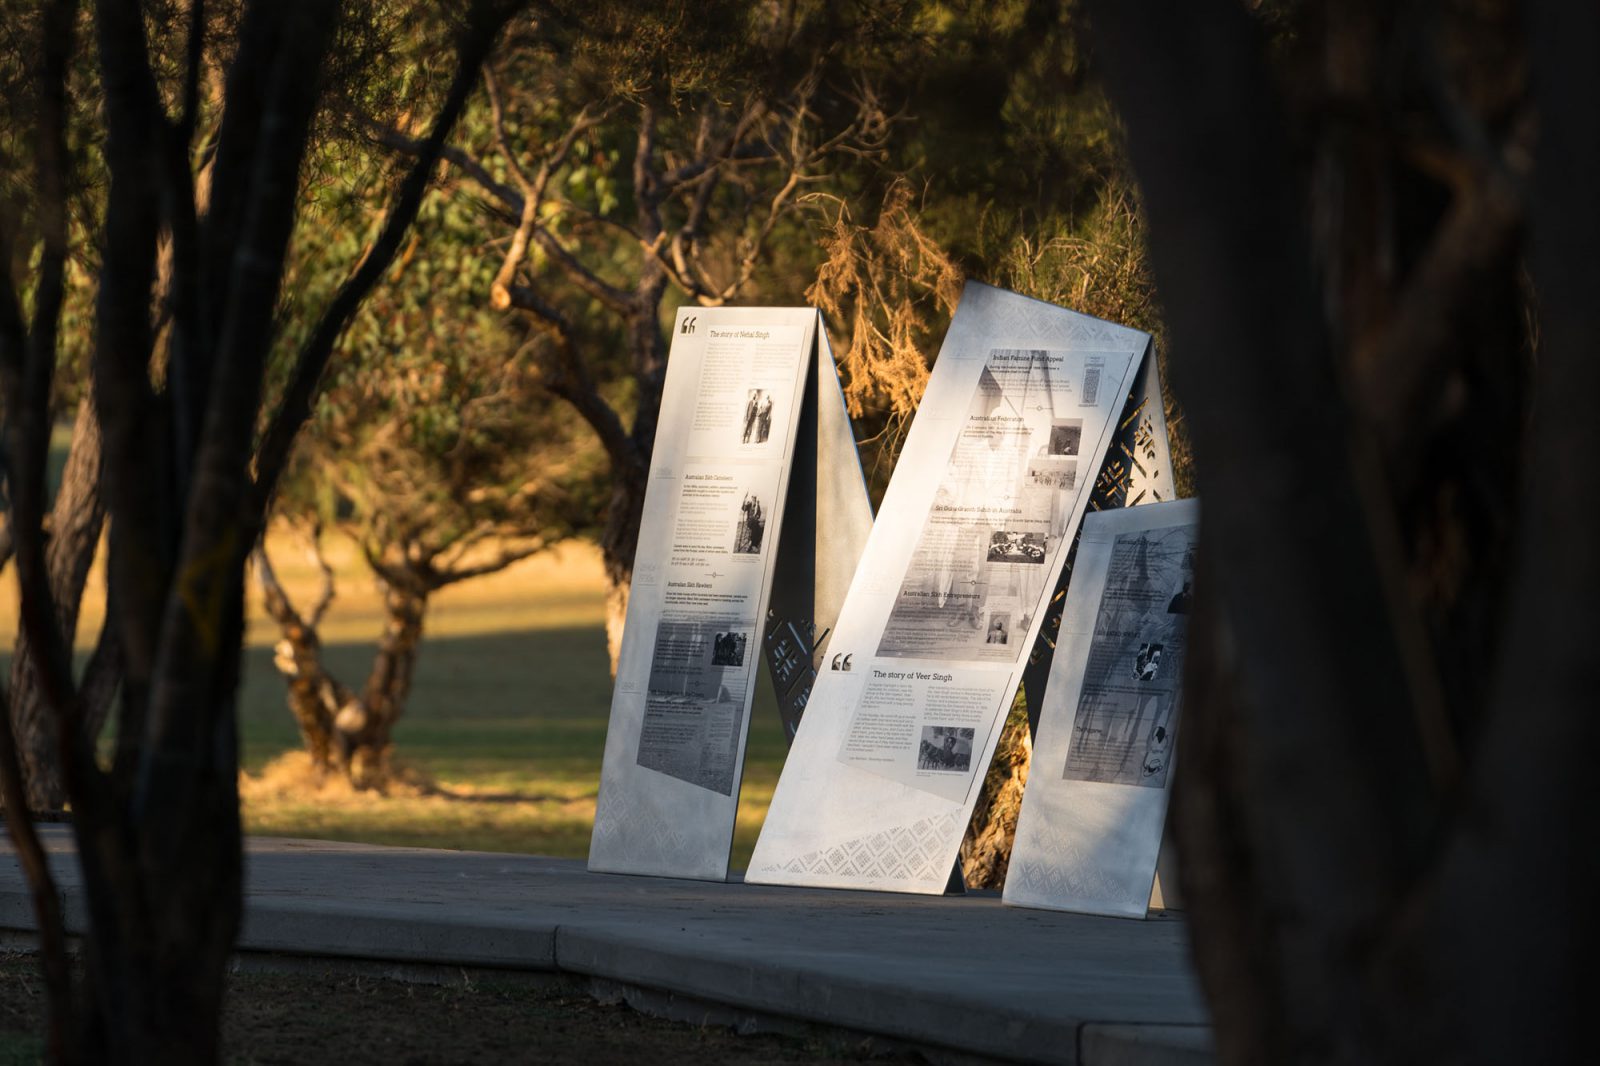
(961, 973)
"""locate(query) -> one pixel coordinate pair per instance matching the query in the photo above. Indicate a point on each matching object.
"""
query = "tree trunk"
(619, 542)
(163, 934)
(367, 727)
(1382, 765)
(315, 696)
(75, 523)
(158, 833)
(1219, 876)
(343, 733)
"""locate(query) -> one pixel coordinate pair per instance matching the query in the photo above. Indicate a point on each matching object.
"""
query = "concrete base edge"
(291, 936)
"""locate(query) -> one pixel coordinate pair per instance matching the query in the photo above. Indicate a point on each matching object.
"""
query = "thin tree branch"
(750, 152)
(13, 331)
(683, 264)
(508, 197)
(1392, 369)
(497, 116)
(329, 589)
(647, 191)
(501, 560)
(551, 318)
(580, 275)
(569, 378)
(533, 191)
(519, 206)
(27, 403)
(275, 597)
(134, 439)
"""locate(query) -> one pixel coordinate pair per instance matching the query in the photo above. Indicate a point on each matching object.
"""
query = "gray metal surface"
(708, 538)
(1092, 817)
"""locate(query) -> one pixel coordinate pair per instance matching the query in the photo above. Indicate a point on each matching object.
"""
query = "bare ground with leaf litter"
(310, 1018)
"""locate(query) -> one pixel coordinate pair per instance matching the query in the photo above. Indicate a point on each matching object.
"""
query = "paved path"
(963, 973)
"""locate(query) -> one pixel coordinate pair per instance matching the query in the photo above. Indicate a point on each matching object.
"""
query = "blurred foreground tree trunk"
(1383, 332)
(186, 479)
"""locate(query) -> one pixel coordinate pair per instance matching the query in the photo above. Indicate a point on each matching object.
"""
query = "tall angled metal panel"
(735, 500)
(950, 594)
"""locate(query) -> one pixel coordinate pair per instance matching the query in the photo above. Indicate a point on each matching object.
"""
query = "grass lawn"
(506, 723)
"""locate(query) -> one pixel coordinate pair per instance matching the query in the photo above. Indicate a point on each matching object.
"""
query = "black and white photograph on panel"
(1053, 472)
(1123, 730)
(1015, 546)
(1066, 434)
(946, 748)
(698, 677)
(1147, 663)
(727, 649)
(757, 417)
(751, 529)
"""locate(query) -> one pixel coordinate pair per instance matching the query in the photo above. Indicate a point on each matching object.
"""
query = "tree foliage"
(433, 447)
(665, 153)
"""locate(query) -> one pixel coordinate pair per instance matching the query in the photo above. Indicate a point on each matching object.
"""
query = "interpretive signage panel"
(1092, 816)
(737, 388)
(928, 650)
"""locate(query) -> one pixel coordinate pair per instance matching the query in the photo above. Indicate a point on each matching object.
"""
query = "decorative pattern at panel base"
(1073, 873)
(914, 852)
(651, 838)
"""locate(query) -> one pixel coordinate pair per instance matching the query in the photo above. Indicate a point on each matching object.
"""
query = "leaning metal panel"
(1090, 830)
(708, 543)
(1020, 410)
